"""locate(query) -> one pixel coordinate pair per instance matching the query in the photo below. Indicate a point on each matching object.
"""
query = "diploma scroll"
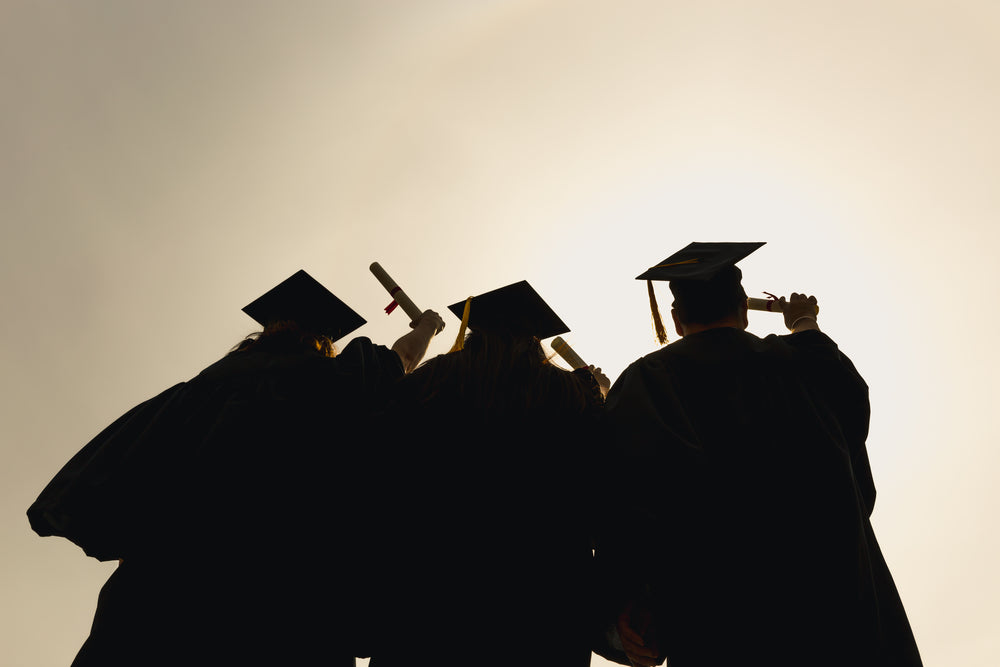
(398, 295)
(563, 349)
(772, 305)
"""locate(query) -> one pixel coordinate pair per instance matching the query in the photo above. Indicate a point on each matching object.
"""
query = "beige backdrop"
(166, 162)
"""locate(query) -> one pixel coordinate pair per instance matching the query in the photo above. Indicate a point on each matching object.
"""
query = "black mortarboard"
(699, 261)
(301, 299)
(515, 310)
(699, 271)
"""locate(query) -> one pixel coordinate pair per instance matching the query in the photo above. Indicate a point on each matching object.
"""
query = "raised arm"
(412, 346)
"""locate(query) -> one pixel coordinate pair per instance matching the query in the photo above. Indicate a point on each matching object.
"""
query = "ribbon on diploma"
(771, 300)
(392, 305)
(772, 304)
(399, 296)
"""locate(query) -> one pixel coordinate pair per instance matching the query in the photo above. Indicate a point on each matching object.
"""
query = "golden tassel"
(460, 340)
(661, 333)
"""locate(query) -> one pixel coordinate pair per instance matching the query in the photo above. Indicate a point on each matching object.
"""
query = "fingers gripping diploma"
(412, 347)
(575, 361)
(800, 312)
(429, 319)
(636, 630)
(602, 380)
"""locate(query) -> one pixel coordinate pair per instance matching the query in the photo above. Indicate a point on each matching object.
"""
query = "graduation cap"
(699, 261)
(515, 310)
(693, 269)
(303, 300)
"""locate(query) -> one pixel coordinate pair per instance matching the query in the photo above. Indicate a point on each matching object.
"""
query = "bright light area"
(168, 162)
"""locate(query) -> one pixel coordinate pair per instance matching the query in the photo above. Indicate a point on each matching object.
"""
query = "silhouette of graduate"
(230, 498)
(486, 548)
(741, 533)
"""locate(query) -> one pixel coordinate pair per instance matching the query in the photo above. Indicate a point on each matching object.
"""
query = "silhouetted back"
(487, 551)
(751, 456)
(230, 498)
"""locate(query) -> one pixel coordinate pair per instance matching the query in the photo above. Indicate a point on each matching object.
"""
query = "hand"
(635, 628)
(429, 318)
(800, 312)
(412, 347)
(602, 380)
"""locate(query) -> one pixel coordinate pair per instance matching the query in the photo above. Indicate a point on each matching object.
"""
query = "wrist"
(803, 318)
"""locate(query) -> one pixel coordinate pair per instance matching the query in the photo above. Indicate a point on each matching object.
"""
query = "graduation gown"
(230, 499)
(485, 537)
(743, 472)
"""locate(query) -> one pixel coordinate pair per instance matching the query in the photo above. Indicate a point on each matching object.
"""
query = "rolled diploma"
(563, 349)
(765, 304)
(395, 292)
(772, 305)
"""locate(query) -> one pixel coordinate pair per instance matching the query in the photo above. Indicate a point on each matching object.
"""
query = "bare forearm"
(412, 347)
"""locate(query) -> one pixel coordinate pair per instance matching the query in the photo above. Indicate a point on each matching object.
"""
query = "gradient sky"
(164, 163)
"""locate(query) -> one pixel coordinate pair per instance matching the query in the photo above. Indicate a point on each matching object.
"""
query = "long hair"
(495, 376)
(285, 337)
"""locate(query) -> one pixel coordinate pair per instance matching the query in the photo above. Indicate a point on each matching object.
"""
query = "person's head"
(501, 366)
(704, 304)
(488, 358)
(299, 314)
(287, 337)
(498, 375)
(706, 286)
(499, 347)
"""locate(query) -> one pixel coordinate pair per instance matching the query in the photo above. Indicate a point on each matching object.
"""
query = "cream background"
(166, 162)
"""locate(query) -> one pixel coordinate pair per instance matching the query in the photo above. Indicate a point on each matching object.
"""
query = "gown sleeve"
(81, 503)
(140, 480)
(845, 393)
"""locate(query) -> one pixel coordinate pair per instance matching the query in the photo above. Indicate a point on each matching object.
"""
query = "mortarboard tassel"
(460, 340)
(661, 333)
